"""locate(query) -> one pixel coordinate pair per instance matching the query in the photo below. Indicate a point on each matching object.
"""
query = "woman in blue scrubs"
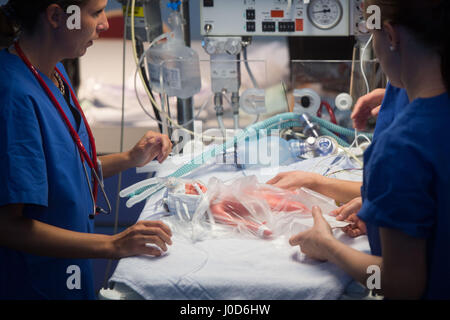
(392, 101)
(46, 203)
(406, 183)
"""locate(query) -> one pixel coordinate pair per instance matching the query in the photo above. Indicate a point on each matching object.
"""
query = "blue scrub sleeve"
(23, 169)
(399, 192)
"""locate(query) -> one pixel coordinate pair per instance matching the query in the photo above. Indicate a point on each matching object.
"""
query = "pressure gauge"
(325, 14)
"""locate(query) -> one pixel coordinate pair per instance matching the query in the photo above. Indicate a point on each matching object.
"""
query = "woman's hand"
(294, 180)
(314, 242)
(367, 106)
(152, 145)
(348, 212)
(145, 237)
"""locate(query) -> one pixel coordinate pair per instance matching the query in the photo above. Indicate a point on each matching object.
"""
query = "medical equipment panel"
(282, 18)
(147, 19)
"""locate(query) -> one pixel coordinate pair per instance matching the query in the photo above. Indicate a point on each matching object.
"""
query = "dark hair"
(23, 15)
(427, 20)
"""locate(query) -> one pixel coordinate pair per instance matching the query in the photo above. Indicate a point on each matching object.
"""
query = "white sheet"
(237, 268)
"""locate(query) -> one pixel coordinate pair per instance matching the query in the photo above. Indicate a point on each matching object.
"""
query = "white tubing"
(144, 183)
(142, 196)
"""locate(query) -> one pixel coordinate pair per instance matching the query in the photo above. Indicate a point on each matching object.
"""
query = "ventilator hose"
(281, 121)
(337, 129)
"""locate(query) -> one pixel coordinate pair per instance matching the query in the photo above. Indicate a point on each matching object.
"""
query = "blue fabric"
(407, 185)
(40, 166)
(395, 99)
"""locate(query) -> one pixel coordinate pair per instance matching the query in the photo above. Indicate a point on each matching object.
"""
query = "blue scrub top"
(394, 101)
(407, 185)
(40, 166)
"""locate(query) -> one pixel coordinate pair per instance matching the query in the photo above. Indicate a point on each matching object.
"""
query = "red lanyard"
(83, 153)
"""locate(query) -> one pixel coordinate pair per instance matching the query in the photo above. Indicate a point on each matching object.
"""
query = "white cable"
(349, 153)
(256, 119)
(289, 6)
(140, 102)
(362, 63)
(138, 70)
(352, 156)
(365, 137)
(366, 81)
(249, 71)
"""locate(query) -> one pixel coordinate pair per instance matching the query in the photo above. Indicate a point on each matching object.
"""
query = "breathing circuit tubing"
(146, 188)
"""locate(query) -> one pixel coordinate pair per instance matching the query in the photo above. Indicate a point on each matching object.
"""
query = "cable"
(142, 105)
(362, 63)
(139, 62)
(366, 81)
(342, 170)
(247, 67)
(289, 6)
(140, 50)
(256, 119)
(140, 102)
(162, 112)
(139, 71)
(352, 156)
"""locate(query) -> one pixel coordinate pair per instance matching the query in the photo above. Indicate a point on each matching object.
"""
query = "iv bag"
(175, 64)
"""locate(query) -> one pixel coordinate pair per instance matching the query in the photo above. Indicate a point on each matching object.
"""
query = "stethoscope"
(93, 162)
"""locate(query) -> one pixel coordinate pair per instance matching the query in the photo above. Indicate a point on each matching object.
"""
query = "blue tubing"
(280, 121)
(337, 129)
(284, 120)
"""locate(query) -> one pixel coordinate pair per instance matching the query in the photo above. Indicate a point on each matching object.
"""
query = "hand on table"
(314, 241)
(134, 240)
